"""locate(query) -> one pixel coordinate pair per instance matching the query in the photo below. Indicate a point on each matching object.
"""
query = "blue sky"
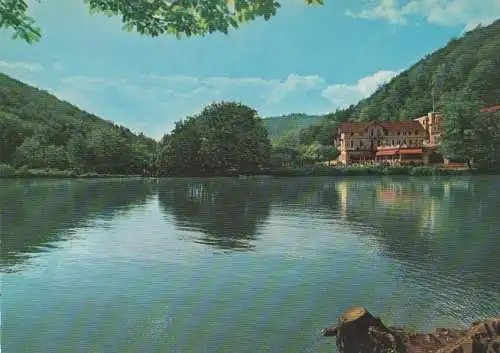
(306, 59)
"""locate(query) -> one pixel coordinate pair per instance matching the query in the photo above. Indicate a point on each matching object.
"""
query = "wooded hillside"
(292, 123)
(40, 131)
(469, 64)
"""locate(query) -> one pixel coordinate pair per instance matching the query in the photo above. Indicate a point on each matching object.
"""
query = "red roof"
(386, 152)
(396, 125)
(411, 151)
(492, 109)
(350, 126)
(392, 152)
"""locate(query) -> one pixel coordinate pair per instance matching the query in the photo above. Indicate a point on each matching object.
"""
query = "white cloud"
(342, 95)
(293, 82)
(152, 103)
(22, 70)
(441, 12)
(182, 96)
(14, 67)
(385, 10)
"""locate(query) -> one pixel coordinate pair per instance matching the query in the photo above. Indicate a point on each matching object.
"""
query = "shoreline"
(307, 171)
(358, 331)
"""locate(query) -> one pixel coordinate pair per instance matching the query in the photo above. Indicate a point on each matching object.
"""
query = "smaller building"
(433, 126)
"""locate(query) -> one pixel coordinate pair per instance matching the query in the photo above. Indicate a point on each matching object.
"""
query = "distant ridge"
(280, 125)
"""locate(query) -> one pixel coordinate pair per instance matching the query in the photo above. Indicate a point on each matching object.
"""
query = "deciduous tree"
(224, 136)
(155, 17)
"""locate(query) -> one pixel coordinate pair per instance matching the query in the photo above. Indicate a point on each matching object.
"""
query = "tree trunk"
(358, 331)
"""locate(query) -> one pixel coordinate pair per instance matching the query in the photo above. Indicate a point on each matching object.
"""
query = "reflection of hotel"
(430, 214)
(391, 142)
(343, 191)
(354, 195)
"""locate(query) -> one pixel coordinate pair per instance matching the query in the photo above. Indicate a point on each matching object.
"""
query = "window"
(393, 142)
(399, 142)
(352, 144)
(409, 142)
(404, 142)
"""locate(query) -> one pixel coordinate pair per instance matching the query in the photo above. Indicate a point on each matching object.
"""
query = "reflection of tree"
(35, 214)
(227, 211)
(318, 194)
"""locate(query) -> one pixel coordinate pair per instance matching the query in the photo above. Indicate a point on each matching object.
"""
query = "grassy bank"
(6, 171)
(372, 170)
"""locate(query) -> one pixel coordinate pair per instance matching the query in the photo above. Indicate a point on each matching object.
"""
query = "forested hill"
(280, 125)
(39, 130)
(469, 63)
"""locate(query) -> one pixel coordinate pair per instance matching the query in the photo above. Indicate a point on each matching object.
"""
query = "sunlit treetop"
(155, 17)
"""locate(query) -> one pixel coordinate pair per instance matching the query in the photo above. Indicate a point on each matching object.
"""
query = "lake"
(232, 265)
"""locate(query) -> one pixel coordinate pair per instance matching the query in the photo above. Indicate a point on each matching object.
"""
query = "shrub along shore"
(7, 171)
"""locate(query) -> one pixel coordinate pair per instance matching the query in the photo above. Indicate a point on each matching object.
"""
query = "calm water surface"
(228, 265)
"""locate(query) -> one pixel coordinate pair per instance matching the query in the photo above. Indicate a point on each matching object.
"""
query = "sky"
(307, 59)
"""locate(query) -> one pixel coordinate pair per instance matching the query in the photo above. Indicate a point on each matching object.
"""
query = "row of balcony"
(427, 144)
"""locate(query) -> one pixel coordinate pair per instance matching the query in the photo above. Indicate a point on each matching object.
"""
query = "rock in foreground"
(358, 331)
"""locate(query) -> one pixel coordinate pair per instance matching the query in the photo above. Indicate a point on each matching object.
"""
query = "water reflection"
(430, 223)
(444, 234)
(439, 229)
(227, 213)
(35, 215)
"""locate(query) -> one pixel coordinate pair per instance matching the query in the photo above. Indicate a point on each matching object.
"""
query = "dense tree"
(487, 141)
(179, 153)
(155, 17)
(289, 139)
(224, 136)
(39, 131)
(470, 135)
